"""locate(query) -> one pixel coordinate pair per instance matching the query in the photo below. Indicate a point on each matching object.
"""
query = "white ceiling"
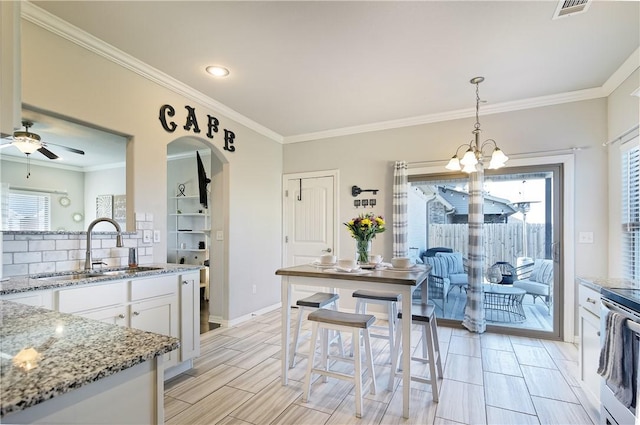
(299, 68)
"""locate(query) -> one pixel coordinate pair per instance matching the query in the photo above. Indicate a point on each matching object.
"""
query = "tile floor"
(488, 378)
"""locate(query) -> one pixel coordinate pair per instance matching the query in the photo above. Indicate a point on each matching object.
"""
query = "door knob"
(326, 250)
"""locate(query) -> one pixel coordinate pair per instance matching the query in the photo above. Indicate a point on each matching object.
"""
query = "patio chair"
(439, 284)
(537, 279)
(456, 269)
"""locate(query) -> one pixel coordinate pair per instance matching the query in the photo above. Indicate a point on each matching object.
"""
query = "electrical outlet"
(146, 236)
(156, 236)
(255, 289)
(219, 235)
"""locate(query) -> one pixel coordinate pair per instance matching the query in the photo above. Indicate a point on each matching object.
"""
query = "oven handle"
(631, 323)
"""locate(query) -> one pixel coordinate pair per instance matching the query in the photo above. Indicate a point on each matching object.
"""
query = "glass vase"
(363, 247)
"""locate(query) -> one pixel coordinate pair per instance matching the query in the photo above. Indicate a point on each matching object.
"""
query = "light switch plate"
(219, 235)
(156, 236)
(585, 237)
(146, 236)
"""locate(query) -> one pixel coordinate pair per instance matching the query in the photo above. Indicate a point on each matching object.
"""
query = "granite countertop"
(597, 283)
(72, 351)
(75, 278)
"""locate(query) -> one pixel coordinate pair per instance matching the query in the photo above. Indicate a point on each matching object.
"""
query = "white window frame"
(630, 209)
(38, 202)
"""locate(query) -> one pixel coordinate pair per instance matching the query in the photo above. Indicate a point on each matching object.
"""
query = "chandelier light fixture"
(473, 155)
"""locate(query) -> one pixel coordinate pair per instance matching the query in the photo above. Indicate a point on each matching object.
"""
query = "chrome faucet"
(119, 244)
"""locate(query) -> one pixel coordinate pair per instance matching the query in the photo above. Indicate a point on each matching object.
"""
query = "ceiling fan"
(28, 142)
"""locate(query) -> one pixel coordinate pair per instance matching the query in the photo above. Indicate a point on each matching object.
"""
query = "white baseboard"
(241, 319)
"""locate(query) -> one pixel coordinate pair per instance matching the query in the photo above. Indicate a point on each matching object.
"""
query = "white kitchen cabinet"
(113, 315)
(190, 314)
(589, 317)
(158, 315)
(167, 304)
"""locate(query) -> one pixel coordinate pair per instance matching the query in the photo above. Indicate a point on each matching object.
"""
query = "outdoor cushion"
(458, 279)
(532, 287)
(438, 265)
(454, 261)
(542, 271)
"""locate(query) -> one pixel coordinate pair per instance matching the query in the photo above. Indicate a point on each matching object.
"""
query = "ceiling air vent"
(571, 7)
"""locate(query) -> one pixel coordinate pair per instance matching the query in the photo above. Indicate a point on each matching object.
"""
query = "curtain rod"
(622, 136)
(33, 189)
(511, 156)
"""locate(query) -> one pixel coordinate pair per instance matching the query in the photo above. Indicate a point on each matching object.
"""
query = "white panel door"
(310, 219)
(310, 223)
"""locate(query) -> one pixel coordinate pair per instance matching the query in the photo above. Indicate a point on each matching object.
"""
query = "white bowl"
(401, 262)
(347, 263)
(327, 259)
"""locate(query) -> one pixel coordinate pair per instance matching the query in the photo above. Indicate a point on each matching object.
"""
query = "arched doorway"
(195, 231)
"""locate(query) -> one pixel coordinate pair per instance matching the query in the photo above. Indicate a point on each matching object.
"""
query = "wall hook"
(355, 191)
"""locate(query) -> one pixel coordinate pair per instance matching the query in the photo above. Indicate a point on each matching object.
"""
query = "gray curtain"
(400, 209)
(474, 317)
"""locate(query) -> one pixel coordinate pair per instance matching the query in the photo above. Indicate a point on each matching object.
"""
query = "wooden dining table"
(403, 282)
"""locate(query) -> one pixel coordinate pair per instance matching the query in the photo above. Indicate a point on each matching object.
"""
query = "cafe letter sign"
(191, 124)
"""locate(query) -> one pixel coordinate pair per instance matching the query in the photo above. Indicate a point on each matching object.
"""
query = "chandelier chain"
(477, 124)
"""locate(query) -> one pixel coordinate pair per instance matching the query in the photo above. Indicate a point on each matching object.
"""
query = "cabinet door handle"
(120, 316)
(598, 333)
(136, 313)
(591, 300)
(327, 250)
(185, 282)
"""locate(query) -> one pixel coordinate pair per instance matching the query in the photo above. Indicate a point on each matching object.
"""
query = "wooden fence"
(502, 242)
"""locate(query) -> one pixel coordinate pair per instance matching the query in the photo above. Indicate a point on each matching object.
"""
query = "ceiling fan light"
(26, 146)
(454, 164)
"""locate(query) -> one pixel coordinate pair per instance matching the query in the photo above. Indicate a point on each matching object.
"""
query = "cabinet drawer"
(589, 299)
(34, 298)
(156, 286)
(92, 297)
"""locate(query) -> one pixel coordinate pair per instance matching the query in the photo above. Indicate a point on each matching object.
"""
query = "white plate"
(402, 269)
(353, 271)
(323, 266)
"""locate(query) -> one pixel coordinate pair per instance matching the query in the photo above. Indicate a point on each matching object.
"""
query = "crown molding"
(535, 102)
(626, 69)
(57, 26)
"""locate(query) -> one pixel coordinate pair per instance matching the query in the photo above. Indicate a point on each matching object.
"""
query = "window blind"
(29, 211)
(631, 210)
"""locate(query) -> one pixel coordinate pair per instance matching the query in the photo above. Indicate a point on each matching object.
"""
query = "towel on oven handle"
(616, 358)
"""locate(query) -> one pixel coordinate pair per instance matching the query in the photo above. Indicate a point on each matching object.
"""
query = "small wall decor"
(104, 206)
(120, 207)
(64, 201)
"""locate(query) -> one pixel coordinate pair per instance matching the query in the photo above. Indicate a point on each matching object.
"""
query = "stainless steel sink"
(99, 273)
(74, 276)
(125, 271)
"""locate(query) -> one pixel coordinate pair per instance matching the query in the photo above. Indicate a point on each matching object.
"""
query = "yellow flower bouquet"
(363, 229)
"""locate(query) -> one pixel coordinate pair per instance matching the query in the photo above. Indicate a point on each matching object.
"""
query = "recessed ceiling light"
(218, 71)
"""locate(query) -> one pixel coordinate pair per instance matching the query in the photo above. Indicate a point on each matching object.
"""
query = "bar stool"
(423, 314)
(388, 299)
(315, 301)
(325, 320)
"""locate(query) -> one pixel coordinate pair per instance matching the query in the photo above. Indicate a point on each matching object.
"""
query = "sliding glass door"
(522, 262)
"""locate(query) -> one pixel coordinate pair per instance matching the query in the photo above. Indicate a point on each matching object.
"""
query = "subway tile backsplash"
(48, 252)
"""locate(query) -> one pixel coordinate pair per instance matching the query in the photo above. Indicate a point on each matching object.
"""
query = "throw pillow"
(454, 261)
(438, 266)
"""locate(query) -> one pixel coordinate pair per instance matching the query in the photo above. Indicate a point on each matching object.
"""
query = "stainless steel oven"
(613, 411)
